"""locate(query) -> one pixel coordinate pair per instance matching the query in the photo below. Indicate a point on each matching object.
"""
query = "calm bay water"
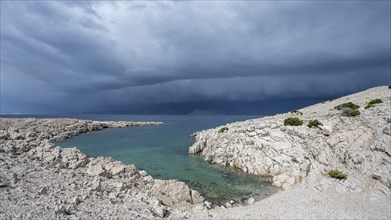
(162, 151)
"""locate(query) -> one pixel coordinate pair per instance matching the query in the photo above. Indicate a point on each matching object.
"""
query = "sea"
(162, 151)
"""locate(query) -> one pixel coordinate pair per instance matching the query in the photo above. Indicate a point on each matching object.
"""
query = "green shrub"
(337, 174)
(349, 109)
(351, 112)
(389, 87)
(314, 123)
(223, 129)
(372, 103)
(369, 106)
(293, 121)
(347, 105)
(375, 101)
(297, 112)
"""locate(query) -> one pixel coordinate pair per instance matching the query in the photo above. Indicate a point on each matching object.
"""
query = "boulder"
(96, 186)
(117, 169)
(158, 209)
(95, 170)
(196, 197)
(172, 192)
(208, 205)
(73, 158)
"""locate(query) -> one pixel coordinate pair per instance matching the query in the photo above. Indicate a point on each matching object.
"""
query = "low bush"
(372, 103)
(348, 109)
(347, 105)
(389, 87)
(351, 112)
(223, 129)
(297, 112)
(293, 121)
(314, 123)
(337, 174)
(375, 101)
(369, 106)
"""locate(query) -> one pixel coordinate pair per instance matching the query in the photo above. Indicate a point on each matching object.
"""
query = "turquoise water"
(162, 151)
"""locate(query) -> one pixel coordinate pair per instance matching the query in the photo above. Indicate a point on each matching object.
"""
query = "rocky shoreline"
(358, 147)
(39, 180)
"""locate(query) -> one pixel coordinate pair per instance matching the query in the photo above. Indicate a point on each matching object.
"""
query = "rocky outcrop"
(39, 180)
(358, 146)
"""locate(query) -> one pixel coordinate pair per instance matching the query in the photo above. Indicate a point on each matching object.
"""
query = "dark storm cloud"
(86, 56)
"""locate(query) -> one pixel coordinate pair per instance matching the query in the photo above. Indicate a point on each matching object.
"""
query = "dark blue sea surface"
(162, 151)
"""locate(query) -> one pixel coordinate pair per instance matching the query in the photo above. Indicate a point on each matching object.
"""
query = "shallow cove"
(163, 152)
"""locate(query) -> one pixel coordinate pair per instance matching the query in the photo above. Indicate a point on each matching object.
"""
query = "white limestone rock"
(95, 169)
(360, 146)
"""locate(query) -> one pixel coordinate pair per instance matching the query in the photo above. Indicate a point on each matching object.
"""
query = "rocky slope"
(358, 146)
(39, 180)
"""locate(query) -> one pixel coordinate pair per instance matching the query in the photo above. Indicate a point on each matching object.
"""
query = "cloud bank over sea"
(112, 56)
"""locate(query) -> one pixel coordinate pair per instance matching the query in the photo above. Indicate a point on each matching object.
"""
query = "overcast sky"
(86, 56)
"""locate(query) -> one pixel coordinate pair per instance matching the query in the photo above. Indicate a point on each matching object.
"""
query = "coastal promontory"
(332, 160)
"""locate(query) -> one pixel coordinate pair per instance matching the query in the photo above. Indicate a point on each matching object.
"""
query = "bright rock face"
(358, 146)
